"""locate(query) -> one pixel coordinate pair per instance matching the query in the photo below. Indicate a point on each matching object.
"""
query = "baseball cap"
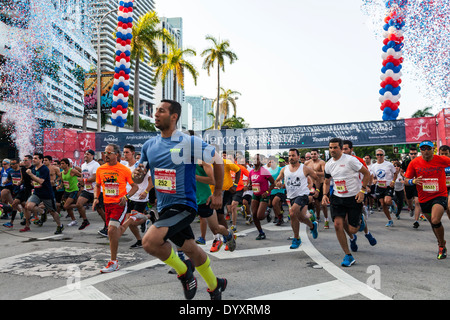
(426, 143)
(91, 152)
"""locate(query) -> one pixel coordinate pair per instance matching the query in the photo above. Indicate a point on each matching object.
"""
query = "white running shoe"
(112, 266)
(135, 215)
(73, 223)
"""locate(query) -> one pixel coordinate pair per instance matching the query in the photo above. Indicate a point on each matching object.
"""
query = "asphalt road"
(402, 266)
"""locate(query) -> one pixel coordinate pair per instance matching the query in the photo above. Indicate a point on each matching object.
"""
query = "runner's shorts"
(205, 211)
(346, 206)
(177, 219)
(426, 206)
(114, 211)
(300, 200)
(49, 204)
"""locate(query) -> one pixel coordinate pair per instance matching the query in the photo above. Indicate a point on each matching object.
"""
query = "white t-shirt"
(142, 186)
(345, 174)
(88, 170)
(384, 173)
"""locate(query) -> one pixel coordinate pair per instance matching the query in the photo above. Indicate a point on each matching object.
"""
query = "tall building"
(108, 44)
(201, 106)
(166, 90)
(61, 33)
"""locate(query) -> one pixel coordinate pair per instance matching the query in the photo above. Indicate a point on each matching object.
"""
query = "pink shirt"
(260, 180)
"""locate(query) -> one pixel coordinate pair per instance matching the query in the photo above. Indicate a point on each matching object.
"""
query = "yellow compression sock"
(175, 262)
(207, 274)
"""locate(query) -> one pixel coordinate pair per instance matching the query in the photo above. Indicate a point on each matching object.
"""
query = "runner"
(411, 191)
(43, 192)
(347, 148)
(370, 195)
(428, 174)
(88, 170)
(9, 195)
(138, 202)
(237, 197)
(278, 195)
(385, 175)
(348, 194)
(113, 178)
(444, 150)
(295, 176)
(258, 181)
(204, 176)
(228, 190)
(69, 179)
(318, 165)
(173, 174)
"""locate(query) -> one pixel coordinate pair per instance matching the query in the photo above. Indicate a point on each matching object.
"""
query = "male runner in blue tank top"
(171, 157)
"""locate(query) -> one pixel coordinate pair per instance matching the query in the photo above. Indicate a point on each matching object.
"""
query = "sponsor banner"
(311, 136)
(136, 139)
(90, 92)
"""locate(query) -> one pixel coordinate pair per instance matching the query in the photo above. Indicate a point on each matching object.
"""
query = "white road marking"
(323, 291)
(345, 284)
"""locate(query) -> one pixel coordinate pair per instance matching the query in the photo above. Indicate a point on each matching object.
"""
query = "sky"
(300, 62)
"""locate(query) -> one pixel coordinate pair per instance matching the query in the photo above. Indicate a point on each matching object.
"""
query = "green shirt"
(203, 189)
(70, 182)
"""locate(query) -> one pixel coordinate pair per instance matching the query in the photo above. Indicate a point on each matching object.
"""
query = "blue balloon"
(391, 44)
(382, 91)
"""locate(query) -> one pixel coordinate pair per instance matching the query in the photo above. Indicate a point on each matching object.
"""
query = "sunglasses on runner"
(423, 148)
(380, 155)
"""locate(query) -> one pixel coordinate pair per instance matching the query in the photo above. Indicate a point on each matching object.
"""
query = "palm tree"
(425, 112)
(217, 53)
(146, 35)
(174, 61)
(226, 98)
(235, 123)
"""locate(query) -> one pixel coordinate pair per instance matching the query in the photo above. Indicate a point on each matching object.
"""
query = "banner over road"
(310, 136)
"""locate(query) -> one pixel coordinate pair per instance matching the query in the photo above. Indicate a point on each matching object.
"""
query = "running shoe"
(296, 243)
(25, 229)
(103, 232)
(371, 239)
(112, 266)
(188, 281)
(261, 236)
(72, 223)
(327, 224)
(442, 254)
(221, 286)
(217, 244)
(363, 223)
(348, 260)
(353, 245)
(59, 229)
(8, 225)
(390, 223)
(314, 231)
(280, 221)
(137, 245)
(201, 241)
(230, 241)
(135, 215)
(84, 225)
(416, 224)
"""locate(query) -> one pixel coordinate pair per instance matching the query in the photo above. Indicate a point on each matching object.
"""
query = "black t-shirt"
(44, 190)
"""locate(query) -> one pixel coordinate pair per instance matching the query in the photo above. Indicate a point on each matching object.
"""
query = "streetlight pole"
(99, 73)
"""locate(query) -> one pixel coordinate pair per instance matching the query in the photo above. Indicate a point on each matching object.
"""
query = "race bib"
(16, 181)
(340, 186)
(111, 189)
(382, 183)
(165, 180)
(36, 185)
(256, 187)
(430, 185)
(66, 184)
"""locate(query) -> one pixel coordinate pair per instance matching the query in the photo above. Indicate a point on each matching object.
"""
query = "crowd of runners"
(177, 177)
